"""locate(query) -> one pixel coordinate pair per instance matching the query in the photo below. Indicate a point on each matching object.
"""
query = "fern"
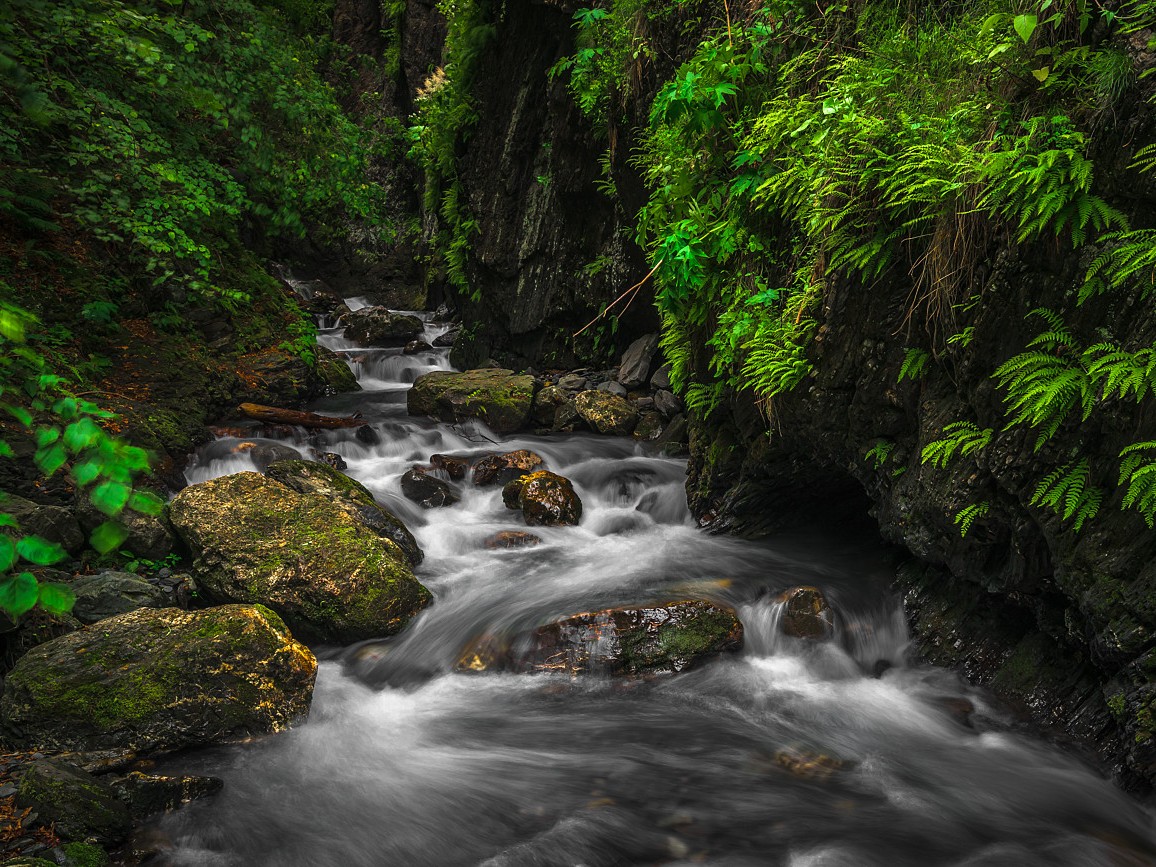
(1128, 260)
(1067, 491)
(964, 438)
(879, 453)
(1138, 470)
(967, 516)
(914, 364)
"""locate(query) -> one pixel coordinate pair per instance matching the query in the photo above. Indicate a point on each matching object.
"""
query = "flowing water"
(404, 761)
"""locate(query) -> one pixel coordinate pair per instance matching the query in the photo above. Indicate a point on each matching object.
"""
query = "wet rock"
(329, 575)
(367, 435)
(661, 378)
(572, 382)
(613, 388)
(649, 427)
(606, 413)
(427, 491)
(332, 459)
(498, 397)
(546, 499)
(274, 377)
(112, 593)
(503, 469)
(807, 614)
(265, 454)
(635, 366)
(146, 794)
(352, 497)
(443, 341)
(675, 437)
(512, 539)
(156, 680)
(333, 373)
(416, 346)
(82, 855)
(377, 326)
(809, 765)
(618, 641)
(54, 523)
(149, 536)
(958, 708)
(546, 405)
(455, 468)
(31, 630)
(76, 803)
(666, 403)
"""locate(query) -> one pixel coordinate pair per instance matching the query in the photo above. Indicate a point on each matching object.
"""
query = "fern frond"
(967, 516)
(1068, 492)
(963, 437)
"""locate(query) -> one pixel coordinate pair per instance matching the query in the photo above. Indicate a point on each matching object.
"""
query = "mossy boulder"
(149, 536)
(304, 555)
(546, 499)
(314, 477)
(84, 855)
(807, 614)
(54, 523)
(498, 397)
(79, 805)
(378, 326)
(333, 373)
(503, 469)
(111, 593)
(156, 680)
(274, 377)
(606, 413)
(617, 641)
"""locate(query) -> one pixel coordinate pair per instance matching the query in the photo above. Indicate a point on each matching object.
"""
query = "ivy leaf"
(1041, 75)
(51, 459)
(56, 598)
(1025, 26)
(86, 473)
(110, 497)
(146, 503)
(18, 594)
(7, 520)
(7, 553)
(21, 415)
(108, 536)
(81, 434)
(40, 551)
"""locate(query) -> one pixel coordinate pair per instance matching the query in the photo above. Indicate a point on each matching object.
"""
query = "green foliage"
(968, 515)
(879, 453)
(1138, 471)
(914, 364)
(962, 438)
(1068, 492)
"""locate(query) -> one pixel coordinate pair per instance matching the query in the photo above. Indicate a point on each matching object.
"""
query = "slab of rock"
(546, 499)
(503, 469)
(649, 427)
(666, 403)
(304, 555)
(496, 396)
(572, 382)
(445, 340)
(79, 805)
(146, 794)
(606, 413)
(378, 326)
(546, 404)
(111, 593)
(661, 378)
(617, 641)
(313, 477)
(455, 468)
(807, 614)
(274, 376)
(635, 366)
(333, 373)
(416, 346)
(53, 523)
(613, 388)
(512, 539)
(675, 437)
(156, 680)
(427, 491)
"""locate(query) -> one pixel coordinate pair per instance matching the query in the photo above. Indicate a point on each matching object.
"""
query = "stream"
(407, 763)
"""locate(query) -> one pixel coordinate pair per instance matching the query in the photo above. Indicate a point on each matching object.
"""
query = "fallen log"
(276, 415)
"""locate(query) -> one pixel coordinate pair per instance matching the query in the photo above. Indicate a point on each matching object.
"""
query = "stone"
(807, 614)
(156, 680)
(809, 765)
(331, 577)
(503, 469)
(661, 378)
(54, 523)
(333, 373)
(367, 434)
(352, 497)
(496, 396)
(617, 641)
(613, 387)
(455, 468)
(264, 455)
(332, 459)
(546, 404)
(416, 346)
(377, 326)
(512, 539)
(606, 413)
(446, 340)
(427, 491)
(649, 427)
(634, 368)
(274, 377)
(76, 803)
(84, 855)
(149, 536)
(666, 403)
(675, 437)
(572, 382)
(112, 593)
(546, 499)
(146, 794)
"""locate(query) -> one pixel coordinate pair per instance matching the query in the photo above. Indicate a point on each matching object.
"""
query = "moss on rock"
(606, 413)
(77, 803)
(546, 499)
(331, 577)
(155, 680)
(498, 397)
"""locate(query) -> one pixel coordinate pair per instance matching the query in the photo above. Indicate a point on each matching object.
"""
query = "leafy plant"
(1067, 491)
(914, 364)
(968, 515)
(963, 438)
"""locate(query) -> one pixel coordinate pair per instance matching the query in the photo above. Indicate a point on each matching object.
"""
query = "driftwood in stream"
(276, 415)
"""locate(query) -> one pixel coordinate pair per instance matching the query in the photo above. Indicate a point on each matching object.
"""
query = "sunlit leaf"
(18, 594)
(108, 536)
(110, 497)
(56, 598)
(40, 551)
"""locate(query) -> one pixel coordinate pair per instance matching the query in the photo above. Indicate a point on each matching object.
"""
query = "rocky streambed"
(477, 625)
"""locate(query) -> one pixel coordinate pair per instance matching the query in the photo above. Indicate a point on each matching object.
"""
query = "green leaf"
(1025, 26)
(46, 436)
(1041, 74)
(146, 503)
(51, 459)
(7, 520)
(110, 497)
(18, 594)
(7, 553)
(56, 598)
(21, 415)
(86, 472)
(108, 536)
(81, 434)
(40, 551)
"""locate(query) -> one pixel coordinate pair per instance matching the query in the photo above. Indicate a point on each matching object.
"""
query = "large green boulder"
(155, 680)
(333, 373)
(77, 804)
(606, 413)
(498, 397)
(313, 477)
(304, 555)
(377, 326)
